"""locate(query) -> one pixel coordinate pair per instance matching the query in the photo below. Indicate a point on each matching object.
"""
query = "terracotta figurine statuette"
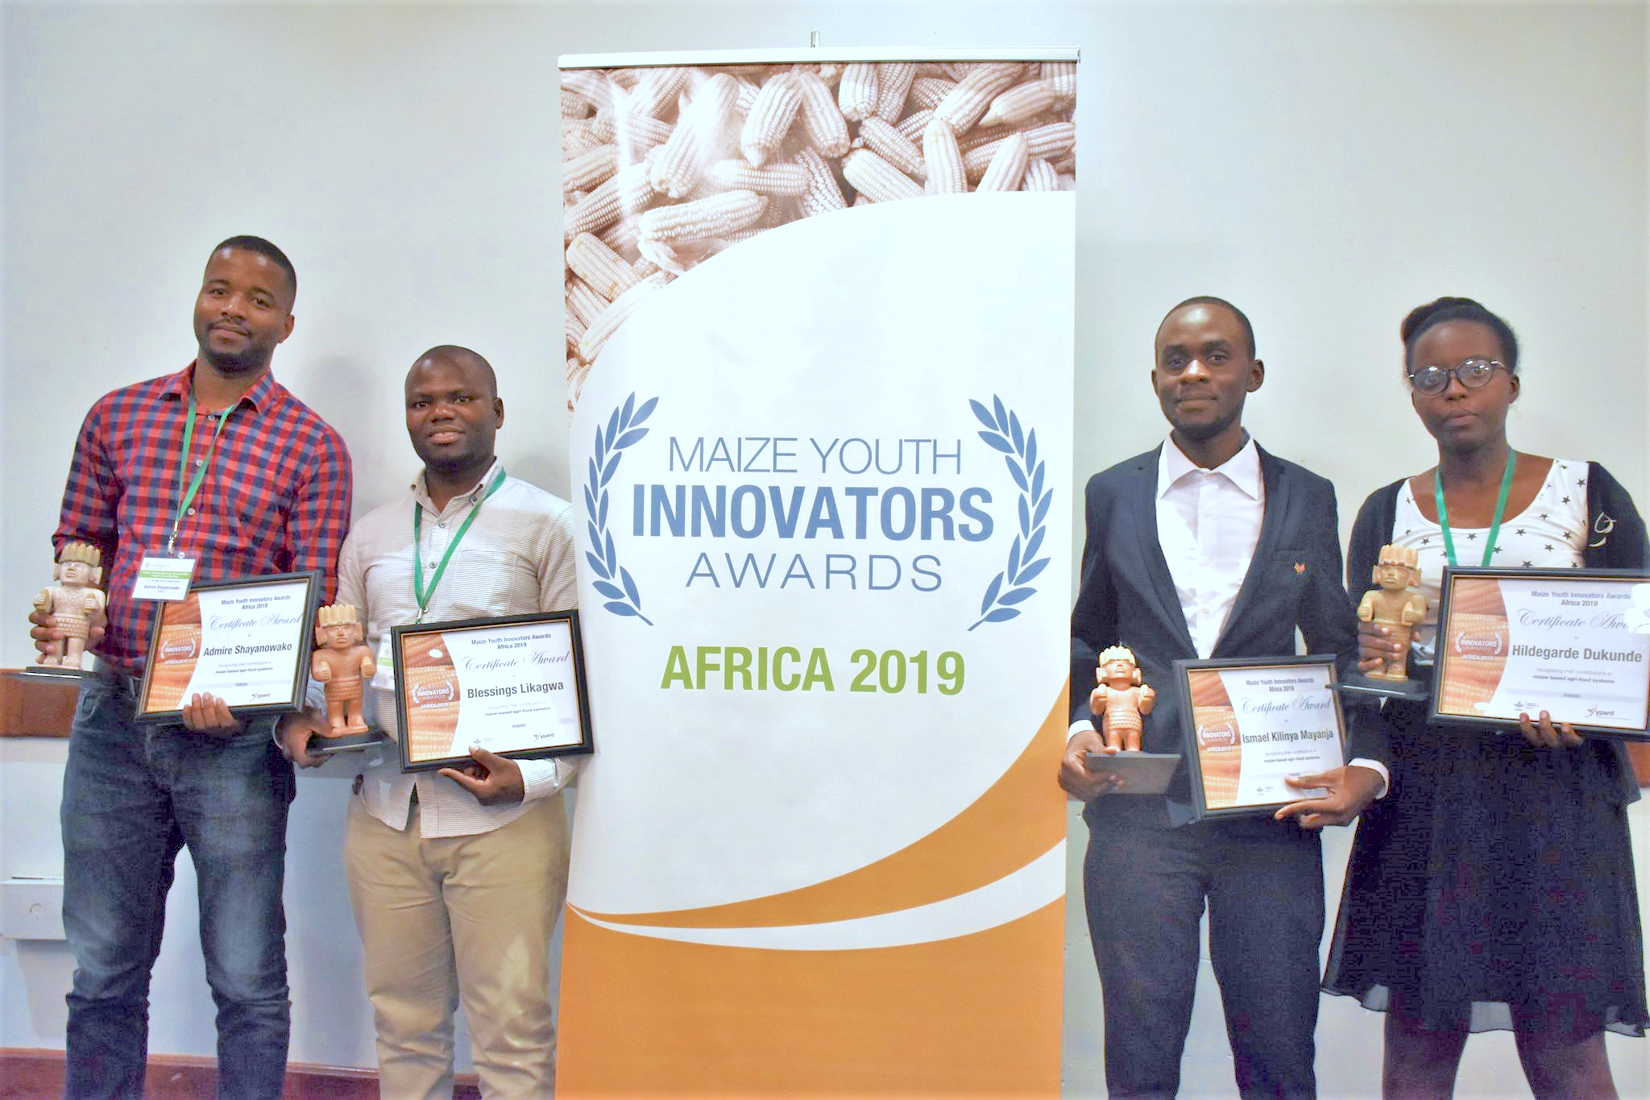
(1120, 699)
(342, 662)
(1393, 606)
(75, 604)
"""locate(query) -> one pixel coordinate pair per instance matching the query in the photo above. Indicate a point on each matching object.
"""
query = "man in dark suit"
(1209, 547)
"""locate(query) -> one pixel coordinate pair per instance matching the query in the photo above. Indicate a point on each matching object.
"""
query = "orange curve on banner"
(978, 1015)
(1018, 818)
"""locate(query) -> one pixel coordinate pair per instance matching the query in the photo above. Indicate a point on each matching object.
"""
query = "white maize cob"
(775, 179)
(892, 146)
(745, 97)
(616, 314)
(1066, 165)
(931, 68)
(621, 237)
(1019, 103)
(591, 84)
(605, 270)
(1049, 142)
(876, 179)
(589, 169)
(625, 78)
(912, 125)
(1062, 77)
(823, 194)
(623, 194)
(583, 301)
(698, 131)
(577, 372)
(655, 92)
(769, 119)
(893, 86)
(983, 135)
(821, 117)
(1007, 167)
(929, 91)
(575, 106)
(643, 268)
(636, 134)
(964, 104)
(1040, 176)
(946, 175)
(857, 93)
(1067, 182)
(575, 330)
(702, 219)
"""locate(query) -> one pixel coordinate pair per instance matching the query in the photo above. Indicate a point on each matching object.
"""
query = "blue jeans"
(133, 794)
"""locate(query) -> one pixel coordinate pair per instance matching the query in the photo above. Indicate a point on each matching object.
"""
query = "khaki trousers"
(460, 920)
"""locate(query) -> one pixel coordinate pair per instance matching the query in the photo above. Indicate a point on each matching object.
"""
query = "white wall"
(1327, 166)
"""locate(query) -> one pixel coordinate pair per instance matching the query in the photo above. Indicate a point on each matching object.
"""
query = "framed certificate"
(513, 685)
(1572, 642)
(1250, 723)
(246, 641)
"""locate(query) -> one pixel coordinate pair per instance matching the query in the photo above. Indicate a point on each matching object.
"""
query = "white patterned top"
(1550, 533)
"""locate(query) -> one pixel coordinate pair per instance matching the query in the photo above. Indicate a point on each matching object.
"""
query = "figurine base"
(55, 672)
(1357, 683)
(1141, 772)
(349, 742)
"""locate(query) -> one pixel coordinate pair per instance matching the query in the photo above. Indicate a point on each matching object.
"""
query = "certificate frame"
(426, 668)
(1201, 679)
(177, 637)
(1469, 620)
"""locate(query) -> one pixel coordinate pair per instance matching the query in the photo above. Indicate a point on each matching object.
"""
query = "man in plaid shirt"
(274, 498)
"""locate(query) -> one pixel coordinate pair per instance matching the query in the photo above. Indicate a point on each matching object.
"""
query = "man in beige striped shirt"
(456, 877)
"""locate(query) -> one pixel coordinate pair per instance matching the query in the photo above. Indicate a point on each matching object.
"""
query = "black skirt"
(1495, 877)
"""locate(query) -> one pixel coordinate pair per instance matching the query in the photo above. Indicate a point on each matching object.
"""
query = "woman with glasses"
(1493, 887)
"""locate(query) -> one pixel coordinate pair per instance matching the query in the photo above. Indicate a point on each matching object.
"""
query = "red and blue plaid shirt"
(276, 497)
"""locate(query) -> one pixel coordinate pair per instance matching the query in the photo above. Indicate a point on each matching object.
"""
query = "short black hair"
(1435, 313)
(246, 243)
(1211, 300)
(458, 355)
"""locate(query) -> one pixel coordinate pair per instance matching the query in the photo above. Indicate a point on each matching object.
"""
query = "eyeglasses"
(1474, 374)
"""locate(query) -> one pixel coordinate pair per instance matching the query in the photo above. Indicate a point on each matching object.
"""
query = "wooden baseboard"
(27, 1074)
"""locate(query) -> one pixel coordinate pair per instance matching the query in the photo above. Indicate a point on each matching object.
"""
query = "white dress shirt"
(1208, 524)
(517, 557)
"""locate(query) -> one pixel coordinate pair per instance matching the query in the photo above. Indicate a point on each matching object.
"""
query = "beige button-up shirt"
(516, 558)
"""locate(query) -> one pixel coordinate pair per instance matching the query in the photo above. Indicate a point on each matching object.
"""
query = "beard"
(249, 360)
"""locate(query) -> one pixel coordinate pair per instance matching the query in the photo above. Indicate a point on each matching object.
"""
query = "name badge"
(385, 676)
(163, 578)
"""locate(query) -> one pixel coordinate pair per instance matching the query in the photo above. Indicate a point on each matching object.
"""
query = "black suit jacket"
(1127, 596)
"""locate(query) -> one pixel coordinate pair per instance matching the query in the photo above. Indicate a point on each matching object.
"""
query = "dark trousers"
(1145, 884)
(132, 796)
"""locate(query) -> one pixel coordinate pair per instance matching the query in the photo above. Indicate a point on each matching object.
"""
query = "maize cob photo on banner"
(664, 167)
(821, 447)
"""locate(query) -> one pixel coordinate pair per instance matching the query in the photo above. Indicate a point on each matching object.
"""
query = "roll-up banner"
(821, 449)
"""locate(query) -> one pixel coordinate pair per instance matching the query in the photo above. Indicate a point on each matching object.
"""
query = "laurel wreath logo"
(622, 431)
(1012, 586)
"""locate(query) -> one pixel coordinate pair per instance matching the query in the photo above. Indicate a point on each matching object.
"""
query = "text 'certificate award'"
(1250, 723)
(514, 686)
(1572, 642)
(245, 641)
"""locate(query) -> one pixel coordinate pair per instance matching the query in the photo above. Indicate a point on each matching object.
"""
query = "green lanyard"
(1500, 510)
(421, 593)
(186, 495)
